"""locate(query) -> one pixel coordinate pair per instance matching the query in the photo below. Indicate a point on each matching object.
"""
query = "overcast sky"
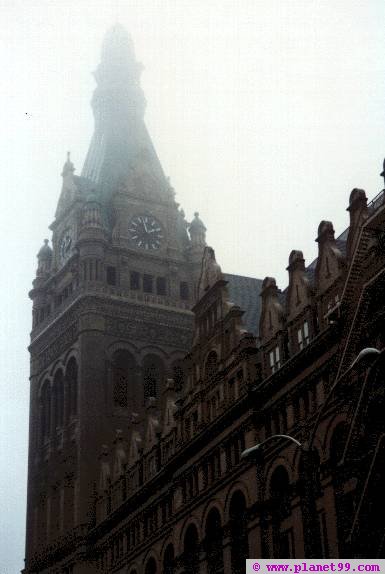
(264, 113)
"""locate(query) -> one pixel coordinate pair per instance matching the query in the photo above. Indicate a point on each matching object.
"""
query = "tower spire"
(121, 150)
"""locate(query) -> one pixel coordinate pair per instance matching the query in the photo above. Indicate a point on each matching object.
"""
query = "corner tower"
(111, 311)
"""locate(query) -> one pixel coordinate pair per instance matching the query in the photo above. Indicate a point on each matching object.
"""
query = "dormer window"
(274, 359)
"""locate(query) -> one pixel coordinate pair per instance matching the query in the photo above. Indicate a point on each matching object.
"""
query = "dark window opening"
(238, 532)
(72, 387)
(45, 427)
(211, 367)
(168, 560)
(123, 365)
(191, 550)
(134, 280)
(214, 542)
(184, 291)
(111, 275)
(147, 283)
(161, 285)
(153, 374)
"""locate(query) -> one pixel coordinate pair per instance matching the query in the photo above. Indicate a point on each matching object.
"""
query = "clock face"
(65, 245)
(146, 232)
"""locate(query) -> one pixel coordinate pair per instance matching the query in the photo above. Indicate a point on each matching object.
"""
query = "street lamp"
(255, 452)
(311, 525)
(252, 451)
(313, 548)
(364, 354)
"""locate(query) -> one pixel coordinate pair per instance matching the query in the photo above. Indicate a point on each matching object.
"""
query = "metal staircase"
(354, 300)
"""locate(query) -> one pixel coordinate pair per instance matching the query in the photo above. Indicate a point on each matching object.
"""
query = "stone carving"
(211, 271)
(137, 329)
(56, 348)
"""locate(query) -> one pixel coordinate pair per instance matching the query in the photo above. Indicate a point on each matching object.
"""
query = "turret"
(44, 260)
(69, 188)
(197, 231)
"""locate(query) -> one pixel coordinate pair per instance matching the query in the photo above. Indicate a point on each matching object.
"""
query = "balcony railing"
(376, 202)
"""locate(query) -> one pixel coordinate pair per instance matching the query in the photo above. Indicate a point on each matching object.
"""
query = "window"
(72, 387)
(238, 532)
(211, 367)
(111, 275)
(300, 339)
(303, 335)
(123, 365)
(153, 376)
(58, 395)
(194, 419)
(45, 424)
(183, 290)
(134, 280)
(214, 542)
(274, 359)
(161, 286)
(147, 283)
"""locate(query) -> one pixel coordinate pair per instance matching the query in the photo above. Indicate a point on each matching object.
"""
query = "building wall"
(141, 407)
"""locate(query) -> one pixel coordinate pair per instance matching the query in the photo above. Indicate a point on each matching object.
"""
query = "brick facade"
(148, 380)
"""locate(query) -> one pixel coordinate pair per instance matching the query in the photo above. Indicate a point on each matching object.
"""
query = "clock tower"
(111, 309)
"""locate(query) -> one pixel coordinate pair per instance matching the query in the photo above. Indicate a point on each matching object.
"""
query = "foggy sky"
(264, 113)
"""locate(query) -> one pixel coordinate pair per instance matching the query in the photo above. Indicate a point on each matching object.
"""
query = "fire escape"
(365, 444)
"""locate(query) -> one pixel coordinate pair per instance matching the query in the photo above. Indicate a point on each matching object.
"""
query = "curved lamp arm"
(254, 449)
(367, 352)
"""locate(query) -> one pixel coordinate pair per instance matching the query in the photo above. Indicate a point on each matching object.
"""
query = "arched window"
(191, 550)
(309, 483)
(58, 396)
(123, 365)
(214, 543)
(343, 500)
(151, 566)
(153, 376)
(238, 532)
(211, 366)
(168, 560)
(45, 405)
(283, 539)
(72, 388)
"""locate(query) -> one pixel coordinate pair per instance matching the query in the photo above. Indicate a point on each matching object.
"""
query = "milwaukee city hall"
(154, 374)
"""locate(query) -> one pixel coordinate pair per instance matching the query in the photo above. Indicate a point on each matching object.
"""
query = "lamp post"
(311, 523)
(256, 454)
(364, 354)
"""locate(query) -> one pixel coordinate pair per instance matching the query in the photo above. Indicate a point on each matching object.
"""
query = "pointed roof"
(121, 151)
